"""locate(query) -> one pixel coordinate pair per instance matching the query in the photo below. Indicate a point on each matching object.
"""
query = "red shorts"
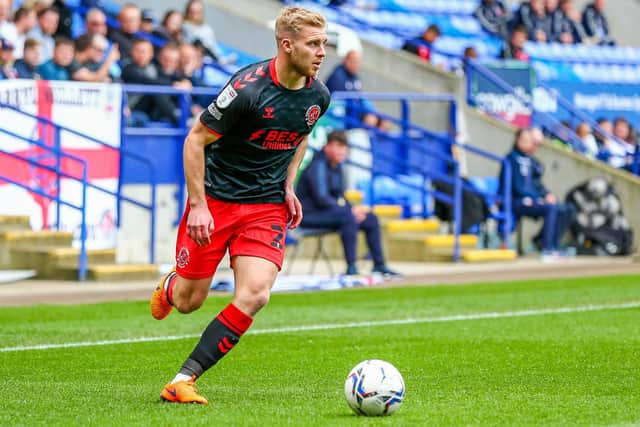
(257, 230)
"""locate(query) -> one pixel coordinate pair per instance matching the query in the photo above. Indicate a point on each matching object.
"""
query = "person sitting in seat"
(530, 198)
(321, 193)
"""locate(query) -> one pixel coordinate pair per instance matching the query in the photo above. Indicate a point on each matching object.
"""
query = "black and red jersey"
(260, 123)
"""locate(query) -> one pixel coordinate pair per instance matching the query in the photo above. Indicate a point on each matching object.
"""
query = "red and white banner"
(88, 108)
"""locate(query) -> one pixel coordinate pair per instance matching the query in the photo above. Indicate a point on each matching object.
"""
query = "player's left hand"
(294, 209)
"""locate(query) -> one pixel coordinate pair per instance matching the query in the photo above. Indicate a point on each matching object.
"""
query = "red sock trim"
(233, 318)
(172, 281)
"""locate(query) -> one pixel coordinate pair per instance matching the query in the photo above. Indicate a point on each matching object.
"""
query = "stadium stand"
(387, 24)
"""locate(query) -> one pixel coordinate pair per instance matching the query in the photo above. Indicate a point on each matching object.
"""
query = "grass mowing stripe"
(323, 327)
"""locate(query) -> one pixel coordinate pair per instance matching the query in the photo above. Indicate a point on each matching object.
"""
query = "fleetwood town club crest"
(183, 257)
(312, 115)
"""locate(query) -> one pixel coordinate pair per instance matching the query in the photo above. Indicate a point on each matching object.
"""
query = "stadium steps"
(111, 272)
(14, 222)
(51, 255)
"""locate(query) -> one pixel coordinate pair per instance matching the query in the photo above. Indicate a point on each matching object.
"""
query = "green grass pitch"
(520, 368)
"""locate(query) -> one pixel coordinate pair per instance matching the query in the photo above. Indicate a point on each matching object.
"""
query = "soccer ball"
(374, 388)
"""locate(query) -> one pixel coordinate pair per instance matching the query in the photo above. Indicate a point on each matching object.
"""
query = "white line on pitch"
(324, 327)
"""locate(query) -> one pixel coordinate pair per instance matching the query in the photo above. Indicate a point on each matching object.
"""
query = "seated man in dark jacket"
(321, 193)
(530, 198)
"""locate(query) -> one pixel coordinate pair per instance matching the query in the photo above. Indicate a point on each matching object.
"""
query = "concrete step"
(45, 260)
(110, 272)
(14, 222)
(14, 239)
(413, 225)
(355, 197)
(486, 255)
(385, 212)
(427, 248)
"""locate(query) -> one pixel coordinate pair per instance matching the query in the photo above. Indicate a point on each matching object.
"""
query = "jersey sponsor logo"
(182, 260)
(268, 113)
(277, 139)
(213, 110)
(226, 97)
(312, 115)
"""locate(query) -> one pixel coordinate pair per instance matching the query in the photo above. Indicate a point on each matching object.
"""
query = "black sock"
(222, 334)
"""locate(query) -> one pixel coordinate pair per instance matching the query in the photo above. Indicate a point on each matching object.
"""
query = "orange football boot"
(182, 392)
(160, 307)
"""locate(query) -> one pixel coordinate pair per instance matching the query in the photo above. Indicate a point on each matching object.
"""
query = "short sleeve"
(227, 110)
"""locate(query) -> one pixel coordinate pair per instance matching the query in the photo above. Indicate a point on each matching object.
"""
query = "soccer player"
(240, 161)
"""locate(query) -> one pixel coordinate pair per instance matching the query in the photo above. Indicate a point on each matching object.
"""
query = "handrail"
(457, 180)
(574, 141)
(82, 261)
(123, 152)
(571, 109)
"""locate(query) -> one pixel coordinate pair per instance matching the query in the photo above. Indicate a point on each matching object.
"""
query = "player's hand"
(200, 224)
(294, 209)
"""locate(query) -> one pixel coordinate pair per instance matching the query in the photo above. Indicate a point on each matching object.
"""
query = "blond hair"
(292, 19)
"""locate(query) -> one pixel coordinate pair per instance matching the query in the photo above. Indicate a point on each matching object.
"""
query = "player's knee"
(254, 299)
(191, 303)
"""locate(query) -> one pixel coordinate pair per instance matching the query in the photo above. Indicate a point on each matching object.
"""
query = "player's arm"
(290, 198)
(199, 221)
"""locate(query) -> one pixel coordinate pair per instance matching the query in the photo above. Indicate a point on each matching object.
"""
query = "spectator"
(197, 32)
(66, 19)
(57, 68)
(515, 48)
(171, 28)
(48, 19)
(89, 65)
(129, 18)
(7, 30)
(148, 22)
(96, 22)
(595, 23)
(530, 198)
(141, 70)
(24, 20)
(569, 29)
(6, 60)
(583, 130)
(345, 78)
(321, 193)
(555, 15)
(423, 45)
(493, 17)
(191, 68)
(27, 66)
(625, 134)
(533, 15)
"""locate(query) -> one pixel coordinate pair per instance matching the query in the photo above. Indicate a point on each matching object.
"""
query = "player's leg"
(257, 252)
(187, 286)
(254, 278)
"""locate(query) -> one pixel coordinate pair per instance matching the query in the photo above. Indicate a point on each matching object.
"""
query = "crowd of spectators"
(36, 43)
(599, 143)
(544, 21)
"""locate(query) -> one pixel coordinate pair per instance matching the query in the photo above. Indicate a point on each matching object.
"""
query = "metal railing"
(548, 122)
(82, 208)
(58, 151)
(180, 131)
(408, 136)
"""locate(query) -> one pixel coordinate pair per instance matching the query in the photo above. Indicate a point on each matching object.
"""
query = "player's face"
(308, 50)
